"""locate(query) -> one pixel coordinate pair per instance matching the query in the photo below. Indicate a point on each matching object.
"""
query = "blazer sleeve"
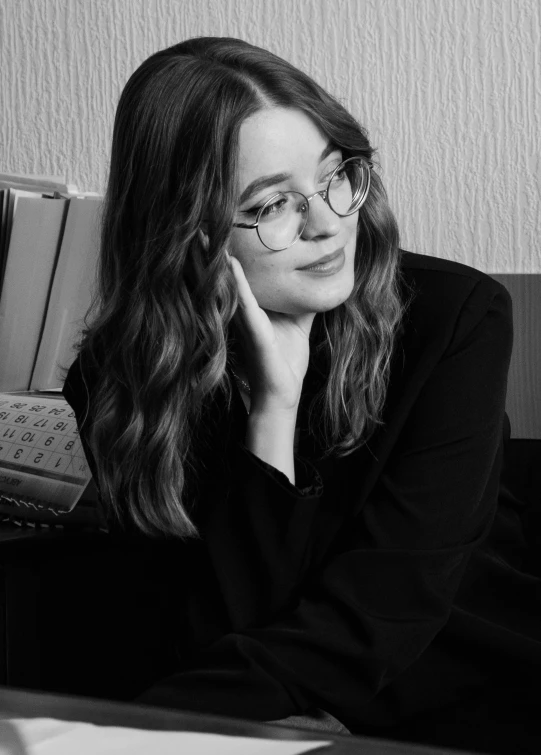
(255, 523)
(372, 608)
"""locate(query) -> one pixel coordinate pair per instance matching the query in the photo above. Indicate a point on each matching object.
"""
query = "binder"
(32, 250)
(37, 183)
(71, 292)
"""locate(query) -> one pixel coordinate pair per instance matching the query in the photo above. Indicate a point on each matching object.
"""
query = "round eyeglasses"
(281, 221)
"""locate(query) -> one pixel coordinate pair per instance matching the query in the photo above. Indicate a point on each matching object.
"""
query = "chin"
(334, 299)
(334, 304)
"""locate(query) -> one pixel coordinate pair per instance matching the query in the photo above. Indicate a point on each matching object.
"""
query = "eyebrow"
(266, 181)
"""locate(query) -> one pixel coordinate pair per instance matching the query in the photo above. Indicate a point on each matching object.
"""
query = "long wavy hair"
(161, 327)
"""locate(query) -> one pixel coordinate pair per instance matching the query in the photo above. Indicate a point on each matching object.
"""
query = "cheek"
(244, 243)
(352, 224)
(351, 233)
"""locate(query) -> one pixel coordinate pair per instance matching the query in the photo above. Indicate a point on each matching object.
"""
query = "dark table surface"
(15, 539)
(21, 545)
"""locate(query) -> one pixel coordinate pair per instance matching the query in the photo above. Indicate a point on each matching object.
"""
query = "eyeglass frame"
(323, 193)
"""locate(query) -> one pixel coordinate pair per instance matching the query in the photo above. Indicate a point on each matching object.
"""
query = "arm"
(370, 611)
(257, 523)
(270, 436)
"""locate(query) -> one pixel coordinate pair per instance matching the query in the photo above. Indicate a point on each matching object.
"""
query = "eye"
(252, 210)
(339, 177)
(270, 209)
(327, 177)
(275, 208)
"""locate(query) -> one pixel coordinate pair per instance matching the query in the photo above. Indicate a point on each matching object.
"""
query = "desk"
(106, 713)
(26, 555)
(63, 592)
(19, 547)
(60, 593)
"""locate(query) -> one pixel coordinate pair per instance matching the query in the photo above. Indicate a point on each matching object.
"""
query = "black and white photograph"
(270, 377)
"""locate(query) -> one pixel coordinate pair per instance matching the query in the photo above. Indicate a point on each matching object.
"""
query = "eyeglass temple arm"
(245, 225)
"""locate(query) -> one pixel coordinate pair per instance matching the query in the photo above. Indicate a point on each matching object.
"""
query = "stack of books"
(49, 241)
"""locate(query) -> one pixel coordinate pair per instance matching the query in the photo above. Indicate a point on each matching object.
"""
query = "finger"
(246, 296)
(251, 319)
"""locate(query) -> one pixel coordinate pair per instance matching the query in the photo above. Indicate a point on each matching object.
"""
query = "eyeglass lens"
(283, 217)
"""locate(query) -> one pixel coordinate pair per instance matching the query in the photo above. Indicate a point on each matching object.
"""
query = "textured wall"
(448, 89)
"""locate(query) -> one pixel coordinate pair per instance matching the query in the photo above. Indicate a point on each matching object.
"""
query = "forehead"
(276, 140)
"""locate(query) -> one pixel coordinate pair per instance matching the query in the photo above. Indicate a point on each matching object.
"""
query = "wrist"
(270, 435)
(274, 411)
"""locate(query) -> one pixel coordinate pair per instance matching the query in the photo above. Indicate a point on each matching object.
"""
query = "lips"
(322, 260)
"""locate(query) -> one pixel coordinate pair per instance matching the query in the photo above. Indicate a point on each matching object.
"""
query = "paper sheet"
(49, 736)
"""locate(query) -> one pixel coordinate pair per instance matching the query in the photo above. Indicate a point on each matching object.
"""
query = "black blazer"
(383, 585)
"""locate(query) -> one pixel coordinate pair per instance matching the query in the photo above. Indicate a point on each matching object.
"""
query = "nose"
(322, 221)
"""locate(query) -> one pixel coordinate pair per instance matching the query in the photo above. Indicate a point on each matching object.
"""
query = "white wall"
(448, 89)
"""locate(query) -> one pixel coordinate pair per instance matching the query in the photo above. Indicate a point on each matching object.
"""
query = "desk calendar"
(42, 462)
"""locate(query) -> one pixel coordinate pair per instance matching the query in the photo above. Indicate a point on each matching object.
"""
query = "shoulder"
(447, 299)
(434, 274)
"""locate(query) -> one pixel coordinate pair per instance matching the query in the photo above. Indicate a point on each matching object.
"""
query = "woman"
(321, 441)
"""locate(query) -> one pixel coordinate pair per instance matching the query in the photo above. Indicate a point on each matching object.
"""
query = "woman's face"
(287, 141)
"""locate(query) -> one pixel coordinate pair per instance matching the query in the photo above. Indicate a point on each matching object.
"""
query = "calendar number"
(41, 436)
